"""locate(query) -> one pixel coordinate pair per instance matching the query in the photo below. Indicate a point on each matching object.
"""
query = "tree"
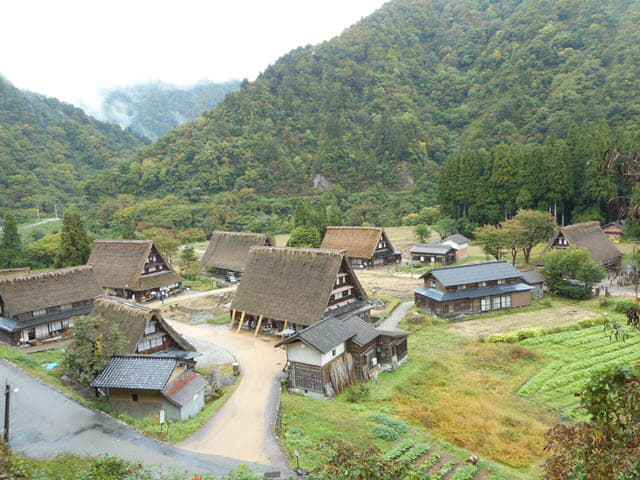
(129, 232)
(307, 237)
(513, 235)
(446, 226)
(11, 254)
(538, 227)
(491, 239)
(571, 272)
(94, 343)
(334, 216)
(75, 245)
(422, 232)
(302, 217)
(608, 445)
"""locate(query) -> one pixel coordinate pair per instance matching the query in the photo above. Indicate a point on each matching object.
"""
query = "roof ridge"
(300, 250)
(346, 227)
(144, 356)
(575, 226)
(46, 274)
(468, 265)
(247, 234)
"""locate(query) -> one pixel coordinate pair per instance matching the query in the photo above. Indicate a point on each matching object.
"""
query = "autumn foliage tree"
(608, 445)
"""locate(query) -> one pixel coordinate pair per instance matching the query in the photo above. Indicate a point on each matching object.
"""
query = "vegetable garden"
(576, 355)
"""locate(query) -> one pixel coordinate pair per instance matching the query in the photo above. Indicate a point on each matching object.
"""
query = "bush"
(388, 428)
(576, 292)
(386, 433)
(514, 337)
(357, 393)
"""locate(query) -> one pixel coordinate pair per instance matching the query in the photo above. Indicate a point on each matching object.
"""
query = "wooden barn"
(365, 246)
(133, 269)
(40, 306)
(434, 253)
(284, 290)
(471, 289)
(228, 252)
(333, 354)
(460, 244)
(144, 329)
(589, 235)
(535, 280)
(143, 385)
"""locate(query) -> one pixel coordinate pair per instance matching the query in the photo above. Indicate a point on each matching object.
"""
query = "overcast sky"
(69, 49)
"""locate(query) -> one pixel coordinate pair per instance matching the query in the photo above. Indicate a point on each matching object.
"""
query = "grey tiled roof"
(473, 273)
(440, 296)
(435, 248)
(457, 238)
(532, 276)
(331, 332)
(140, 372)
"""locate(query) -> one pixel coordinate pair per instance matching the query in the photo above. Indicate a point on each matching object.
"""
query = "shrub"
(388, 428)
(576, 292)
(386, 433)
(358, 393)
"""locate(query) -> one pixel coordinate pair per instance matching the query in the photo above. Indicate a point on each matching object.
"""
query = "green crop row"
(466, 473)
(399, 449)
(446, 468)
(415, 453)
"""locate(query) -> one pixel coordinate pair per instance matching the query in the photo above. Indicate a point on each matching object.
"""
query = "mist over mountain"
(405, 88)
(48, 148)
(154, 108)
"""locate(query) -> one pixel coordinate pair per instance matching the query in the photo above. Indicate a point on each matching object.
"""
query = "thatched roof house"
(133, 268)
(589, 235)
(365, 246)
(38, 306)
(296, 287)
(144, 328)
(142, 385)
(229, 251)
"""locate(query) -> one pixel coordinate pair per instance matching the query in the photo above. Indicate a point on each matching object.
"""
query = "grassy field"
(454, 388)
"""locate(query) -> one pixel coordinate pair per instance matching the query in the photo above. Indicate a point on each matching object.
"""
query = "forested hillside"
(399, 92)
(152, 109)
(48, 148)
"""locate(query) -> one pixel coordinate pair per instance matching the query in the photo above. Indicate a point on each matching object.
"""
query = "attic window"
(37, 313)
(333, 352)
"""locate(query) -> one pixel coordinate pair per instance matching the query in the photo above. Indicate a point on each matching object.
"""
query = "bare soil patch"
(545, 318)
(199, 309)
(379, 282)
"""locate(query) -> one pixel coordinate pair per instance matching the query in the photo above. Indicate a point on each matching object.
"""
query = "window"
(496, 302)
(433, 284)
(445, 308)
(485, 304)
(134, 397)
(65, 307)
(333, 352)
(482, 284)
(502, 281)
(462, 306)
(462, 287)
(506, 301)
(150, 328)
(37, 313)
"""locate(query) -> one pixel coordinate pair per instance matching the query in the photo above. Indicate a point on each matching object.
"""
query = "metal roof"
(532, 276)
(473, 273)
(440, 296)
(431, 248)
(139, 372)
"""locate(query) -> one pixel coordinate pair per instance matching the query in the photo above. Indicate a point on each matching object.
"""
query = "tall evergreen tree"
(11, 254)
(129, 232)
(75, 245)
(302, 216)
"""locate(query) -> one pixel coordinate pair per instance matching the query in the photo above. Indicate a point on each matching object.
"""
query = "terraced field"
(576, 355)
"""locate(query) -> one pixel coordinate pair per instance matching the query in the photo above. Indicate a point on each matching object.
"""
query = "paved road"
(45, 422)
(391, 322)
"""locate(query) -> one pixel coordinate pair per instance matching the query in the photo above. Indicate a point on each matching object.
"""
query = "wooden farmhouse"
(285, 290)
(333, 354)
(39, 306)
(613, 231)
(144, 329)
(470, 289)
(434, 253)
(443, 252)
(590, 236)
(133, 269)
(365, 246)
(143, 385)
(228, 252)
(535, 280)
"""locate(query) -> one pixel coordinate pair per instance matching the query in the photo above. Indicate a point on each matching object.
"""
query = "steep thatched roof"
(230, 250)
(590, 236)
(12, 272)
(37, 291)
(131, 319)
(292, 284)
(119, 264)
(359, 242)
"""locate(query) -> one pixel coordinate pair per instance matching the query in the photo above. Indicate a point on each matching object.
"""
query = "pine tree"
(75, 245)
(11, 246)
(129, 232)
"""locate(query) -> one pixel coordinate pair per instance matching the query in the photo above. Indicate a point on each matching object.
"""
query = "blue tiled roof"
(439, 296)
(473, 273)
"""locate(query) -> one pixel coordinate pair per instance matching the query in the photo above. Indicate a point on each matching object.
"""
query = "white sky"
(69, 49)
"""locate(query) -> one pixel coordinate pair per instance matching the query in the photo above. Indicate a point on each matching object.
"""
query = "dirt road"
(242, 427)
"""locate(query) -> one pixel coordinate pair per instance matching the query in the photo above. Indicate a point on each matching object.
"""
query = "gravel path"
(391, 322)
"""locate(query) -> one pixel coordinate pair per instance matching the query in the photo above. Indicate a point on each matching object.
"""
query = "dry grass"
(544, 318)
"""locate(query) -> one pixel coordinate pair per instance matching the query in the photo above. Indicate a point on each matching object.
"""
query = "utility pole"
(7, 396)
